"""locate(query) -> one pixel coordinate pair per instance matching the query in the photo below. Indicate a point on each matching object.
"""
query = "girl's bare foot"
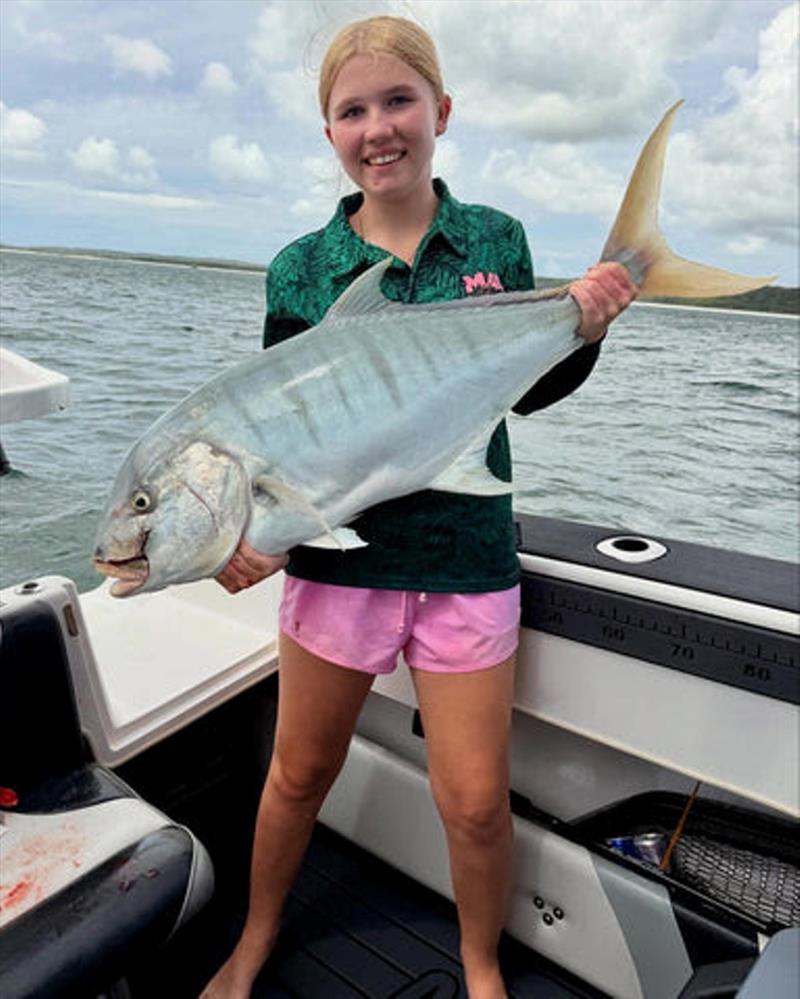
(484, 982)
(228, 983)
(235, 978)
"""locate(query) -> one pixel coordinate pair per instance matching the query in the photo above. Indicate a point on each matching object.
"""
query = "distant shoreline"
(143, 258)
(723, 311)
(769, 301)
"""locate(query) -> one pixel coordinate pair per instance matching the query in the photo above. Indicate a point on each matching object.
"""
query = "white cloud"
(21, 132)
(240, 162)
(747, 246)
(557, 178)
(25, 20)
(446, 159)
(293, 93)
(315, 210)
(65, 195)
(322, 182)
(218, 79)
(141, 168)
(138, 55)
(151, 200)
(283, 27)
(566, 71)
(737, 172)
(101, 157)
(96, 156)
(287, 48)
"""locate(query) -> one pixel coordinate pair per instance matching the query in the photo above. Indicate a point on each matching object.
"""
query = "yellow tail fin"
(635, 235)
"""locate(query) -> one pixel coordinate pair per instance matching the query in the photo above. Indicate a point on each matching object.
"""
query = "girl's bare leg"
(318, 704)
(467, 717)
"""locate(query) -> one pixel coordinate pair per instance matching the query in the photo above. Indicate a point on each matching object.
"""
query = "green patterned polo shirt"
(429, 541)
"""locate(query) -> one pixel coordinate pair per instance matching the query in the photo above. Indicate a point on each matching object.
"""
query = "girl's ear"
(443, 115)
(328, 134)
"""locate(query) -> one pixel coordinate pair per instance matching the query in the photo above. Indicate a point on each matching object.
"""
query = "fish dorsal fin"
(364, 295)
(470, 474)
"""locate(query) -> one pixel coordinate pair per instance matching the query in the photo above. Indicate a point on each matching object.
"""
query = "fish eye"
(141, 501)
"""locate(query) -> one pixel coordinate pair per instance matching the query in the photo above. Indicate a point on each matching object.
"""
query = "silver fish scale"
(403, 401)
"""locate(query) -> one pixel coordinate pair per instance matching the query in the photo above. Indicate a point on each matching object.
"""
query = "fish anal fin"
(469, 473)
(342, 538)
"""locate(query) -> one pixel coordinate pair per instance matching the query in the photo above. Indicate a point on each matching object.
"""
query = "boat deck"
(355, 928)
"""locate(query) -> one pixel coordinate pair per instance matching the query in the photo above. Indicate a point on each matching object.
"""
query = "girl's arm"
(280, 321)
(565, 377)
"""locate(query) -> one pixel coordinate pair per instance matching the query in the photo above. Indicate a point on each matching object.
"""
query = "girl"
(439, 577)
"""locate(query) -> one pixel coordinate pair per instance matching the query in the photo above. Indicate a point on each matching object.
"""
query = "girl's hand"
(248, 566)
(602, 293)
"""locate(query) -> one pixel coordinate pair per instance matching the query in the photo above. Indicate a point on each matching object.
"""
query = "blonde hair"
(386, 35)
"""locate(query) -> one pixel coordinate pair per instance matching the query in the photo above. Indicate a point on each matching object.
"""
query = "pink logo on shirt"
(482, 284)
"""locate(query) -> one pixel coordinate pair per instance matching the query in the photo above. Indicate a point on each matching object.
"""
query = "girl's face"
(383, 119)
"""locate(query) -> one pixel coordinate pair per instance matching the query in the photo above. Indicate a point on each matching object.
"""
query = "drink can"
(647, 846)
(624, 845)
(650, 846)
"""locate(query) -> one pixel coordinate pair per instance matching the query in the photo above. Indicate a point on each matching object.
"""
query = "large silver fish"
(377, 401)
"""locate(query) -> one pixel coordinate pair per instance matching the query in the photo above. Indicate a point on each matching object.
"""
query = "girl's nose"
(378, 125)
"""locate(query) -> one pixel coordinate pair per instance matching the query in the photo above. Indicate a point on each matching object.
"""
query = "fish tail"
(636, 241)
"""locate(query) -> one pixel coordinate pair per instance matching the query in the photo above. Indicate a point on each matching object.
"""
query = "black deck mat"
(355, 928)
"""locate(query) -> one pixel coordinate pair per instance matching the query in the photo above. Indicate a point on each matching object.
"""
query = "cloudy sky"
(190, 126)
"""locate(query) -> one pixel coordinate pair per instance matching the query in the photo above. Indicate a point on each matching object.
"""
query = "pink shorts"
(366, 629)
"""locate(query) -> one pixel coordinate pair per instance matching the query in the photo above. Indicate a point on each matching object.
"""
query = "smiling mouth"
(130, 574)
(385, 160)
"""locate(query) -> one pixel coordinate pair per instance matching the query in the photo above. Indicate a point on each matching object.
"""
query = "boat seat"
(93, 879)
(777, 972)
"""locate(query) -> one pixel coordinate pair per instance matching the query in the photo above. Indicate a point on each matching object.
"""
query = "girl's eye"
(399, 99)
(352, 112)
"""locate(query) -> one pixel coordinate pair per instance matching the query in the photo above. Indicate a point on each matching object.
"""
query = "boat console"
(27, 390)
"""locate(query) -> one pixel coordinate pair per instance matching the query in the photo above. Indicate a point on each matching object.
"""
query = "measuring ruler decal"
(740, 655)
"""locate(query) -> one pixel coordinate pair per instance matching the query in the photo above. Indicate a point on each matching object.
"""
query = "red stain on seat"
(16, 894)
(38, 865)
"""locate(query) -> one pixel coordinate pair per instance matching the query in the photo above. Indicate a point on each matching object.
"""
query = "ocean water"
(687, 429)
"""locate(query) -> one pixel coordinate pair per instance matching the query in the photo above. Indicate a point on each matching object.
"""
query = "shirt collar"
(348, 252)
(449, 221)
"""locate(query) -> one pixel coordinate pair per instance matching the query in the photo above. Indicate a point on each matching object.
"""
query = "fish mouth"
(129, 574)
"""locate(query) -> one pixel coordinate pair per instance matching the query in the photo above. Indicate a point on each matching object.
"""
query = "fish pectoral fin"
(470, 474)
(343, 538)
(268, 490)
(364, 295)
